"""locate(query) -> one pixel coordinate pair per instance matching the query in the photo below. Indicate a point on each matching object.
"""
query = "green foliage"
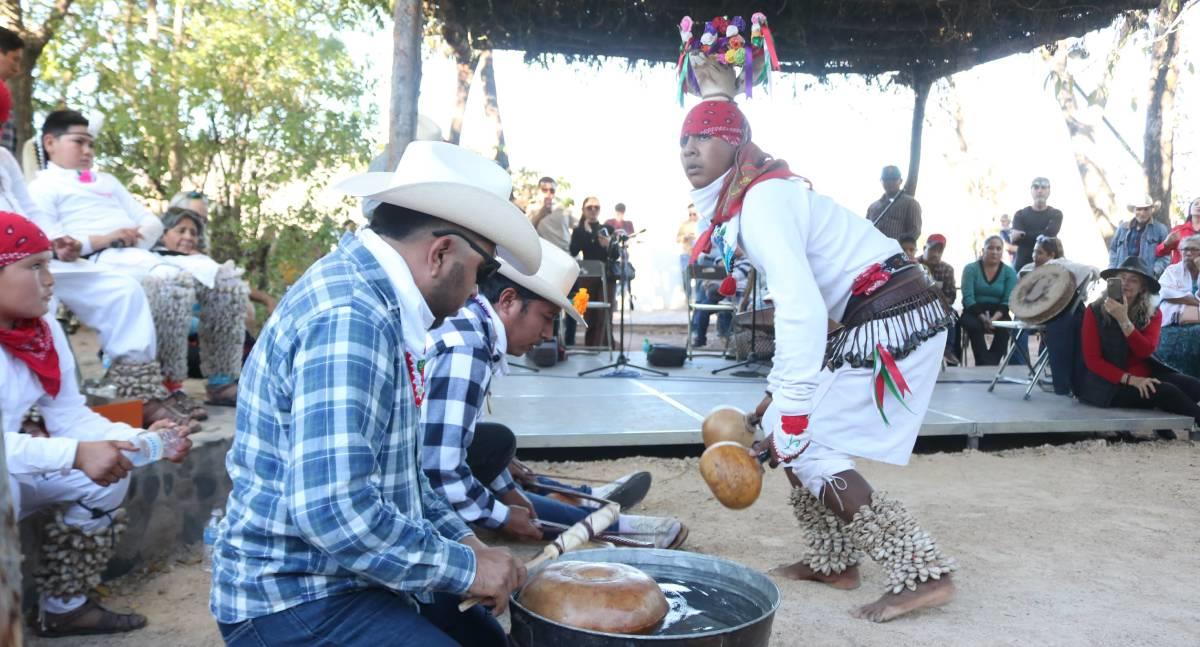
(256, 102)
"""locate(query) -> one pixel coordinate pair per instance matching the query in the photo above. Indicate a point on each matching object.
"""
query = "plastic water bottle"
(153, 446)
(210, 537)
(646, 344)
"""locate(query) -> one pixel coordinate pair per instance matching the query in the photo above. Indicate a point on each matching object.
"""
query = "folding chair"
(597, 270)
(703, 273)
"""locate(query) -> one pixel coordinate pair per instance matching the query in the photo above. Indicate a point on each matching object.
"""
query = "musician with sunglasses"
(333, 533)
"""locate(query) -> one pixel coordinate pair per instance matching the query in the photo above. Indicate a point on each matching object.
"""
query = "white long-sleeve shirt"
(67, 418)
(81, 209)
(811, 249)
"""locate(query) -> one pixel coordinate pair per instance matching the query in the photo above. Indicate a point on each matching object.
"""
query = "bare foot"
(847, 580)
(928, 595)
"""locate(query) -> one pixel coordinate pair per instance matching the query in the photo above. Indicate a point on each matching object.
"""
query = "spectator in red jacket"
(1119, 340)
(1190, 227)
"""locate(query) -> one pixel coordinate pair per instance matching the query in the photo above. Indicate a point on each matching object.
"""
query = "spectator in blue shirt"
(1140, 236)
(333, 534)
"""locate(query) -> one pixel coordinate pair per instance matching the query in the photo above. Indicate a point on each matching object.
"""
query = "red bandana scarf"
(751, 165)
(29, 340)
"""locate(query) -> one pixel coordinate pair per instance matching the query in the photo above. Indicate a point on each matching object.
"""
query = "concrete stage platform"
(547, 409)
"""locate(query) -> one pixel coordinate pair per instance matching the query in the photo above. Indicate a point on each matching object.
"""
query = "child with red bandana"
(78, 461)
(861, 393)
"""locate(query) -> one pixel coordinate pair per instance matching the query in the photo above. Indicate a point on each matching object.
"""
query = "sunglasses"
(591, 206)
(1041, 186)
(1190, 249)
(548, 189)
(487, 268)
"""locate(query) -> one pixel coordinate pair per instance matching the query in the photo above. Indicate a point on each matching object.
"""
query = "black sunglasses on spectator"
(487, 268)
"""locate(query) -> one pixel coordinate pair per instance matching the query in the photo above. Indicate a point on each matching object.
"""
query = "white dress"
(811, 249)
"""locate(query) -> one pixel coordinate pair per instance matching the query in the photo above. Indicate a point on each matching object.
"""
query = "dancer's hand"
(67, 249)
(1144, 385)
(497, 575)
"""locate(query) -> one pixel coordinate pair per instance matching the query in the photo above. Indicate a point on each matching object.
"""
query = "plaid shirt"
(944, 272)
(8, 136)
(462, 354)
(328, 495)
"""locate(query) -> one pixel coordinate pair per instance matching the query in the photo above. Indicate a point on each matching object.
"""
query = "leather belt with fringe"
(910, 309)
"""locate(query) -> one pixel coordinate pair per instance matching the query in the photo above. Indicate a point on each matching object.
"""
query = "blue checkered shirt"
(462, 352)
(328, 495)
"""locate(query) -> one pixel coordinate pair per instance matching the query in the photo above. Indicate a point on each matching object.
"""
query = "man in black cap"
(896, 214)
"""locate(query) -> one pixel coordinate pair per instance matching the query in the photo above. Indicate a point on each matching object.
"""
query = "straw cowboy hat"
(458, 186)
(553, 281)
(1142, 202)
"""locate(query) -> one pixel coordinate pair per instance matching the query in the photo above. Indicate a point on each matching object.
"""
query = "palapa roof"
(918, 38)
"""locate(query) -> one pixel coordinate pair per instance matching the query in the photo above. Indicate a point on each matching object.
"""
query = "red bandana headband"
(720, 119)
(19, 238)
(30, 340)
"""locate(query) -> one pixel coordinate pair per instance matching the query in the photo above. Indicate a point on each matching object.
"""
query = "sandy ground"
(1085, 544)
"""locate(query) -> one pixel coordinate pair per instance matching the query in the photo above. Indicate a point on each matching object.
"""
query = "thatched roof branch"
(919, 38)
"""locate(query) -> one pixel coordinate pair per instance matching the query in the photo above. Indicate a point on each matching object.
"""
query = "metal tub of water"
(714, 603)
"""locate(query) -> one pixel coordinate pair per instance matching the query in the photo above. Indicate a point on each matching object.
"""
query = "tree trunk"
(466, 74)
(1160, 110)
(10, 564)
(1101, 198)
(921, 88)
(491, 108)
(406, 77)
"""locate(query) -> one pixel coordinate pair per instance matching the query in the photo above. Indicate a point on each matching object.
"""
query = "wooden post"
(921, 86)
(406, 77)
(491, 104)
(10, 564)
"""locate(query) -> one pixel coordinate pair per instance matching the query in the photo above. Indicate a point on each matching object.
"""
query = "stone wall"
(168, 505)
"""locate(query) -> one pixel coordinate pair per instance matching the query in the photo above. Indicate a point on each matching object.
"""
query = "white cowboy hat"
(1143, 201)
(458, 186)
(553, 281)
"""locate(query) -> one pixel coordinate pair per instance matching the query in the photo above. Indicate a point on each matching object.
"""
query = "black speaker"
(544, 354)
(666, 355)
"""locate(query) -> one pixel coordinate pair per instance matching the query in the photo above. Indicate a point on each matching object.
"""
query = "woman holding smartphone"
(1120, 335)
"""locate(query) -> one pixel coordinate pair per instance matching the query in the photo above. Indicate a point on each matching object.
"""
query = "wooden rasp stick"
(577, 535)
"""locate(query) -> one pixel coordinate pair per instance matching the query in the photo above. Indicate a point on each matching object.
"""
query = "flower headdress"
(726, 58)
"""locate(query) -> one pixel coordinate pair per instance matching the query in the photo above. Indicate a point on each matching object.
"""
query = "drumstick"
(573, 478)
(569, 492)
(570, 539)
(618, 538)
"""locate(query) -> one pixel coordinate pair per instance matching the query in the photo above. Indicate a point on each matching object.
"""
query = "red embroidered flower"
(794, 425)
(870, 280)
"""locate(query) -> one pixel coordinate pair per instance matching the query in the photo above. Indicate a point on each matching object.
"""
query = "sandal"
(183, 402)
(222, 396)
(155, 410)
(88, 620)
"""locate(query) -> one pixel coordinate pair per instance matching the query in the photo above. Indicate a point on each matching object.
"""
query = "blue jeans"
(370, 618)
(700, 319)
(556, 511)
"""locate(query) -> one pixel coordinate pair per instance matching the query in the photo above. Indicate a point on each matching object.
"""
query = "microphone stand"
(619, 367)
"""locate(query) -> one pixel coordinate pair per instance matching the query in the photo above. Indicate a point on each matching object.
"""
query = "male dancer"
(829, 403)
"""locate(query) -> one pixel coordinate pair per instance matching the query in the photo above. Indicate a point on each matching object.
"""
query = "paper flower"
(580, 301)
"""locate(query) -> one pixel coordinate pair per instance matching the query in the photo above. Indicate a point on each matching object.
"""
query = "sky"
(612, 132)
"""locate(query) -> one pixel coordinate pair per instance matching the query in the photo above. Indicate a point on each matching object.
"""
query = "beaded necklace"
(416, 377)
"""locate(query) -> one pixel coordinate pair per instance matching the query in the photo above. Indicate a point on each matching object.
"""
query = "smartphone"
(1114, 290)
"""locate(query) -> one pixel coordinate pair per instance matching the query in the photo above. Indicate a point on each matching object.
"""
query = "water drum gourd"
(607, 597)
(726, 423)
